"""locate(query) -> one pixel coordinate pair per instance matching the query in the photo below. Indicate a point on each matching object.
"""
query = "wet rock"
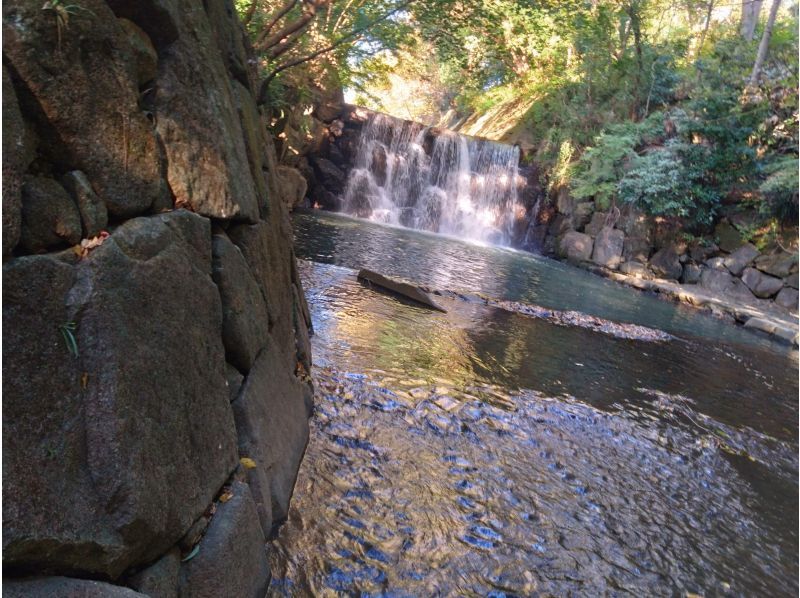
(80, 414)
(82, 89)
(49, 216)
(159, 580)
(780, 264)
(145, 55)
(245, 319)
(724, 283)
(398, 287)
(575, 246)
(635, 269)
(198, 121)
(272, 421)
(666, 264)
(293, 186)
(94, 215)
(787, 298)
(582, 214)
(762, 285)
(64, 587)
(728, 238)
(378, 165)
(740, 259)
(329, 175)
(596, 224)
(608, 247)
(232, 558)
(691, 274)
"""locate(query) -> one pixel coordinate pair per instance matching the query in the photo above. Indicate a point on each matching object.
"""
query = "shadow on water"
(485, 453)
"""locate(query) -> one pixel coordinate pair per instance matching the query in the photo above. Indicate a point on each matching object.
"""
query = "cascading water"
(435, 180)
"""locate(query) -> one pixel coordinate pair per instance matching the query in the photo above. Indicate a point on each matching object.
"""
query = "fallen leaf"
(84, 380)
(247, 462)
(225, 496)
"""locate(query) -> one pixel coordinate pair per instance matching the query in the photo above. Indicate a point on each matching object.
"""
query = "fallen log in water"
(404, 289)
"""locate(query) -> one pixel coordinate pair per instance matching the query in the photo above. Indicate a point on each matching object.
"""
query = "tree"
(751, 9)
(764, 45)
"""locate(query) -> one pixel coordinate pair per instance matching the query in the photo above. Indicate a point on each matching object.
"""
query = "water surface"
(481, 452)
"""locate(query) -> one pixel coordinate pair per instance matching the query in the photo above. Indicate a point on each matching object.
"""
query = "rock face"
(740, 259)
(130, 366)
(761, 284)
(576, 247)
(665, 263)
(608, 247)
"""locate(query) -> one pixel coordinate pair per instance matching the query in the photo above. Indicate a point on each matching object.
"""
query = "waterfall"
(432, 179)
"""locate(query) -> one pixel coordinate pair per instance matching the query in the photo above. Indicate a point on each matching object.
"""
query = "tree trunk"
(764, 45)
(751, 9)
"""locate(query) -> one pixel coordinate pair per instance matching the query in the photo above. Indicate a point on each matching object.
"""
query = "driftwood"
(404, 289)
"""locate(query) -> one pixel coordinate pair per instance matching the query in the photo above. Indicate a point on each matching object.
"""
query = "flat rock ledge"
(758, 315)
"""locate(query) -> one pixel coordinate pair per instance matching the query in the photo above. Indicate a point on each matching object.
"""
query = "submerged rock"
(404, 289)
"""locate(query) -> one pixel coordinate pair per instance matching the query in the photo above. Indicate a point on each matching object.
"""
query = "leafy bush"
(781, 188)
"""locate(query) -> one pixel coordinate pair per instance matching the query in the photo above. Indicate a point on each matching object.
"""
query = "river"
(481, 452)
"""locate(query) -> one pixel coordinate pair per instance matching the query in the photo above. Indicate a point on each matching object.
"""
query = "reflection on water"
(482, 452)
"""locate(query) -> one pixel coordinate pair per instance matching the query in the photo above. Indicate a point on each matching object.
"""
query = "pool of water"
(482, 452)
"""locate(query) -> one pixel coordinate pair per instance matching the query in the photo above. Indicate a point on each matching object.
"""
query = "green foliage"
(68, 334)
(780, 188)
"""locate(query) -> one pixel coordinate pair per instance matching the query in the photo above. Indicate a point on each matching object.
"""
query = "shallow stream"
(482, 452)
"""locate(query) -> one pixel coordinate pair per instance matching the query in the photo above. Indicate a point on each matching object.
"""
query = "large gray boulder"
(64, 587)
(292, 185)
(159, 580)
(781, 264)
(582, 214)
(114, 394)
(737, 261)
(329, 175)
(608, 247)
(762, 285)
(787, 298)
(82, 89)
(272, 421)
(245, 320)
(198, 120)
(723, 283)
(232, 556)
(666, 264)
(596, 224)
(50, 219)
(575, 246)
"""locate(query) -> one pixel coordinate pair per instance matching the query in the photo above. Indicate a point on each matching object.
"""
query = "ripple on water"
(543, 495)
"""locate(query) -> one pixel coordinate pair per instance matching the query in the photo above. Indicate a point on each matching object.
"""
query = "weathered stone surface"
(234, 379)
(143, 51)
(158, 18)
(724, 283)
(292, 186)
(665, 263)
(49, 216)
(762, 285)
(635, 269)
(780, 264)
(198, 122)
(245, 320)
(272, 421)
(761, 324)
(636, 249)
(787, 298)
(232, 560)
(740, 259)
(230, 37)
(398, 287)
(565, 204)
(329, 102)
(17, 155)
(700, 251)
(83, 93)
(258, 154)
(268, 254)
(728, 238)
(64, 587)
(575, 246)
(329, 175)
(596, 224)
(582, 214)
(159, 580)
(94, 216)
(608, 247)
(559, 225)
(716, 263)
(691, 274)
(792, 280)
(135, 432)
